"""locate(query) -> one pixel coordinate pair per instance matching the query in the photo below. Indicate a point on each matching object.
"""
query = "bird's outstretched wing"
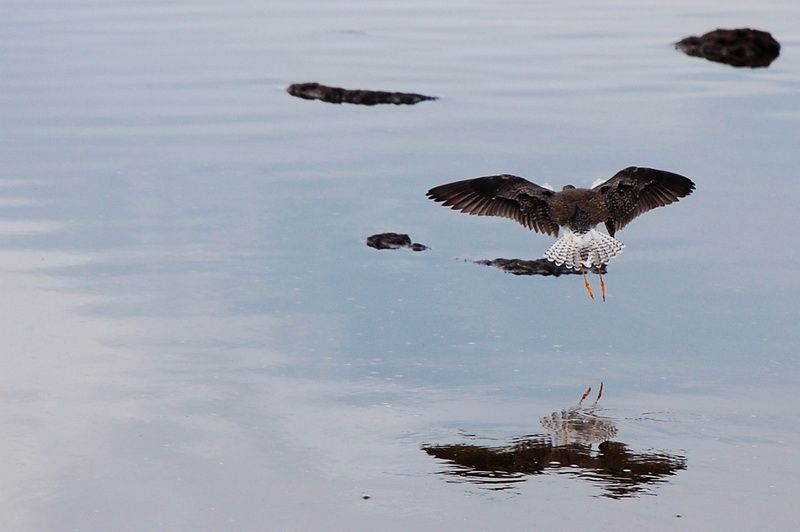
(503, 195)
(634, 191)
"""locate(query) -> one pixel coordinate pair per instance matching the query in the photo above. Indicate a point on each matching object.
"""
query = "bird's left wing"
(634, 191)
(503, 195)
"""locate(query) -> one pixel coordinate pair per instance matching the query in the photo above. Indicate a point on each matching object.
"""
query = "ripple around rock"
(317, 91)
(741, 47)
(394, 241)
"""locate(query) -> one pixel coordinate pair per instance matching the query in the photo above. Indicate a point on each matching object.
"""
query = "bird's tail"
(584, 250)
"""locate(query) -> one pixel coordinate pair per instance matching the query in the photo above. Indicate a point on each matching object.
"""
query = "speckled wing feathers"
(503, 195)
(634, 191)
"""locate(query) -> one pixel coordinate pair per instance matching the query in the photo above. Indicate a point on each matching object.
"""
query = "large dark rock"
(742, 47)
(317, 91)
(534, 267)
(393, 241)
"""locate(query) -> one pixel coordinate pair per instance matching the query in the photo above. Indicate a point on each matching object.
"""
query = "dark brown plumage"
(616, 202)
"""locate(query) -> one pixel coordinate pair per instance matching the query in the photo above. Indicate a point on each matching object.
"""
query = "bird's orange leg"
(602, 286)
(599, 393)
(586, 284)
(585, 395)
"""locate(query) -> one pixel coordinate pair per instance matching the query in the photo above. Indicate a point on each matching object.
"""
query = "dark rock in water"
(317, 91)
(534, 267)
(742, 47)
(389, 241)
(393, 241)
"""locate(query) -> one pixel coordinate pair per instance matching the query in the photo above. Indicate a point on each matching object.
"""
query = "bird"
(615, 203)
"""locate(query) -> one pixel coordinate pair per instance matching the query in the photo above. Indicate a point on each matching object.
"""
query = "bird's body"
(577, 208)
(614, 203)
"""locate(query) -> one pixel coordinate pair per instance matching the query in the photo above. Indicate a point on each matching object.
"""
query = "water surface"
(196, 336)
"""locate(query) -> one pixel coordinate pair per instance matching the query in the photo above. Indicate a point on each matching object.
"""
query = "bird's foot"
(586, 284)
(602, 286)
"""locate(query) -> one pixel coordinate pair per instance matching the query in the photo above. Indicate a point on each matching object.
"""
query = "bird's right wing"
(634, 191)
(503, 195)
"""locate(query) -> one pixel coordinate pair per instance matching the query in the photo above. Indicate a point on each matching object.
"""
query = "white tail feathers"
(585, 250)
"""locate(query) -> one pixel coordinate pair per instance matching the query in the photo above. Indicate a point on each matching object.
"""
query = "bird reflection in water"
(568, 449)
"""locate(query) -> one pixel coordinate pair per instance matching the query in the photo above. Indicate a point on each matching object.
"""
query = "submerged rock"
(741, 47)
(317, 91)
(394, 241)
(534, 267)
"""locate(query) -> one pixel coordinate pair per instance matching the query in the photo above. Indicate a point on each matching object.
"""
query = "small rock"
(394, 241)
(317, 91)
(741, 47)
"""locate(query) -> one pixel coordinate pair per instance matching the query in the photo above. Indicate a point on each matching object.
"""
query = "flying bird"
(615, 203)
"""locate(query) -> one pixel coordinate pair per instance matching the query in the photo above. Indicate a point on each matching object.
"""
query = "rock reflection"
(566, 450)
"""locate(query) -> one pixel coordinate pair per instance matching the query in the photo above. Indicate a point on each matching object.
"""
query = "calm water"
(195, 336)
